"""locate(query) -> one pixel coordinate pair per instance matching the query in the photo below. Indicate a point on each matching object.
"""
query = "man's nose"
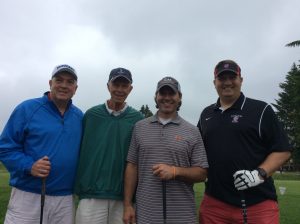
(64, 84)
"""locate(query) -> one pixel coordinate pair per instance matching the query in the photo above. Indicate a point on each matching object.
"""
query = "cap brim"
(227, 70)
(169, 85)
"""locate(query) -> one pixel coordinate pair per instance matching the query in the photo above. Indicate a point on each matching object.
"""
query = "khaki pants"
(99, 211)
(25, 208)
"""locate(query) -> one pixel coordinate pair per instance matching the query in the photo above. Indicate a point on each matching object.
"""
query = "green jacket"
(103, 153)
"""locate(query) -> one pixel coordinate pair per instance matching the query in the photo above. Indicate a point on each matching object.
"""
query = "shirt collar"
(115, 113)
(238, 104)
(176, 120)
(47, 98)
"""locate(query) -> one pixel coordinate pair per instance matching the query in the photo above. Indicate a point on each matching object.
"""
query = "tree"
(293, 44)
(146, 111)
(288, 109)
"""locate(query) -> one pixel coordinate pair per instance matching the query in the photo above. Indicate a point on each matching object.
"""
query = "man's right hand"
(129, 215)
(41, 168)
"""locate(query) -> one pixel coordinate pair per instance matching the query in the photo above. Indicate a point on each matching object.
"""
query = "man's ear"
(131, 87)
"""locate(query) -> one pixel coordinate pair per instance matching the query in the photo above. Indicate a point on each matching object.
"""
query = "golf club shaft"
(164, 192)
(244, 207)
(43, 193)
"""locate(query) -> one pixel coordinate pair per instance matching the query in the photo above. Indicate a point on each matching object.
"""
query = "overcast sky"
(181, 38)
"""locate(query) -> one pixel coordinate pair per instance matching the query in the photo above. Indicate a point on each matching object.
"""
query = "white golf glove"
(244, 179)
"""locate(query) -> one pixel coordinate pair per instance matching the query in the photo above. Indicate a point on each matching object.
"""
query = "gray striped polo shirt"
(177, 143)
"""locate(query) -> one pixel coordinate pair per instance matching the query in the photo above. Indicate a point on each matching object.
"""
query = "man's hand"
(244, 179)
(41, 168)
(129, 215)
(163, 171)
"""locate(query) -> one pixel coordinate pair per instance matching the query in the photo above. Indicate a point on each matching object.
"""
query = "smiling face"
(62, 87)
(119, 89)
(167, 101)
(228, 86)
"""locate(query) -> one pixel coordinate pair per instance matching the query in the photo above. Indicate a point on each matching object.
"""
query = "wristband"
(262, 173)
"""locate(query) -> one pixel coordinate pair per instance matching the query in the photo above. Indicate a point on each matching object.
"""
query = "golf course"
(289, 200)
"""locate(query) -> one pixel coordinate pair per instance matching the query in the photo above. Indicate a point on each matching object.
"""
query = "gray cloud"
(153, 39)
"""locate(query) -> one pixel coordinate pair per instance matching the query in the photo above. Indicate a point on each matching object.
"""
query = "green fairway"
(4, 193)
(288, 202)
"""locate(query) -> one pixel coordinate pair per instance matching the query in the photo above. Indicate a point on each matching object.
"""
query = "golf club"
(164, 192)
(43, 193)
(244, 207)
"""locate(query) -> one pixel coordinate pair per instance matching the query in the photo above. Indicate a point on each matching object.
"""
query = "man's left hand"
(244, 179)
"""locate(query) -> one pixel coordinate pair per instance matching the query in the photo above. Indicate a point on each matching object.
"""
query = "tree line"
(288, 107)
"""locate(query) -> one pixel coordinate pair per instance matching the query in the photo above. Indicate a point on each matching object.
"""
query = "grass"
(4, 192)
(288, 202)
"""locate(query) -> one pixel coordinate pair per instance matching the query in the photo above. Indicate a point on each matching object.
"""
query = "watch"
(262, 173)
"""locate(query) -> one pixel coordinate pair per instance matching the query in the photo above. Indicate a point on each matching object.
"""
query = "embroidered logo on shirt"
(178, 138)
(235, 118)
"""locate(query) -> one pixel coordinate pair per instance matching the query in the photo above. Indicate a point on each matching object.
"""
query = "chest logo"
(236, 118)
(178, 138)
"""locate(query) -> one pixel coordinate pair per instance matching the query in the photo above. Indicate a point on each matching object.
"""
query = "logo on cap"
(64, 68)
(227, 66)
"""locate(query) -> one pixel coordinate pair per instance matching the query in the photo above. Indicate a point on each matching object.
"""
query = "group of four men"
(127, 169)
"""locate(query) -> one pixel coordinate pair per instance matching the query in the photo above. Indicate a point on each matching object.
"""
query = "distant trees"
(146, 111)
(293, 44)
(288, 108)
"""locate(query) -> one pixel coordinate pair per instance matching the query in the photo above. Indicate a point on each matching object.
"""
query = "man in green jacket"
(106, 138)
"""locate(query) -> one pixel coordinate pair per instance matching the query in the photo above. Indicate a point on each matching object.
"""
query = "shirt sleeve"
(198, 157)
(12, 142)
(132, 155)
(272, 132)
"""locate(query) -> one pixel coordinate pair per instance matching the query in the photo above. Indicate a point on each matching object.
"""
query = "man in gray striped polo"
(166, 156)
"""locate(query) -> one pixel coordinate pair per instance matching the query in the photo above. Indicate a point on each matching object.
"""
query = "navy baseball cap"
(64, 68)
(227, 66)
(120, 72)
(169, 81)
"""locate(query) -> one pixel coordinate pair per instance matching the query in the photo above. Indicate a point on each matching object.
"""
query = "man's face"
(228, 85)
(119, 89)
(167, 100)
(62, 87)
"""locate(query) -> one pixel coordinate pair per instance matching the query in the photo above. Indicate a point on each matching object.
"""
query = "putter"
(164, 192)
(244, 207)
(43, 193)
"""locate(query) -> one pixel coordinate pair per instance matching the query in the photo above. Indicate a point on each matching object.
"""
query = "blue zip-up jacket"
(36, 129)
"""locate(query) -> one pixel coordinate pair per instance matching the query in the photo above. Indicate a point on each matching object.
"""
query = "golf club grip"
(164, 191)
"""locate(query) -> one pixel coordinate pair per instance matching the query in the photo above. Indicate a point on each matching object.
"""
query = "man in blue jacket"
(41, 141)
